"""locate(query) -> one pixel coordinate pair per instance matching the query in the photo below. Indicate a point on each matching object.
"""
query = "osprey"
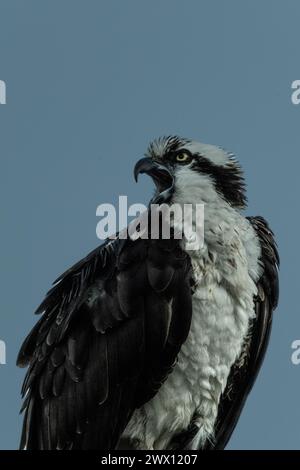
(144, 344)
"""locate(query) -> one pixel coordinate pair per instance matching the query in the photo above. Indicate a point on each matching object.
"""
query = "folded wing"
(110, 332)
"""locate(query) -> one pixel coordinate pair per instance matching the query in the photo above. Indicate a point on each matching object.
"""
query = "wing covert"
(110, 331)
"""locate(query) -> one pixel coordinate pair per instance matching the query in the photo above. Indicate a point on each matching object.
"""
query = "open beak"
(161, 176)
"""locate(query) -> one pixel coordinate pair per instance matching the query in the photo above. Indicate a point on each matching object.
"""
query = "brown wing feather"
(104, 344)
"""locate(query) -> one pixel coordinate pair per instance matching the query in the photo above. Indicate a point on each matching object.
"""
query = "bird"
(145, 344)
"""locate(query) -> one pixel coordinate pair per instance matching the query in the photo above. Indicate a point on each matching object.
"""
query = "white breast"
(225, 271)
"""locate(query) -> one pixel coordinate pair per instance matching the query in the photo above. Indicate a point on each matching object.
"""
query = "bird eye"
(182, 157)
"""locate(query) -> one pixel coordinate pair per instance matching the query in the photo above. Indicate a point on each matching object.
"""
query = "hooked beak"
(161, 176)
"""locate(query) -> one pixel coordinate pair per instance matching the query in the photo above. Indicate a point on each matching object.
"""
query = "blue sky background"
(89, 84)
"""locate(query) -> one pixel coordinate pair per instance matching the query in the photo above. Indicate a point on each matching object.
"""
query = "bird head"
(187, 171)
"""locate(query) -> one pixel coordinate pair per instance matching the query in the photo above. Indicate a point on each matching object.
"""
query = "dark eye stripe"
(228, 180)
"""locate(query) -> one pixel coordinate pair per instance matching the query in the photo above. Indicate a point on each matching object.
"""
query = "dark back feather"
(106, 341)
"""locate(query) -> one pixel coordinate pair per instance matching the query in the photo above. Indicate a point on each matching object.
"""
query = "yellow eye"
(182, 157)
